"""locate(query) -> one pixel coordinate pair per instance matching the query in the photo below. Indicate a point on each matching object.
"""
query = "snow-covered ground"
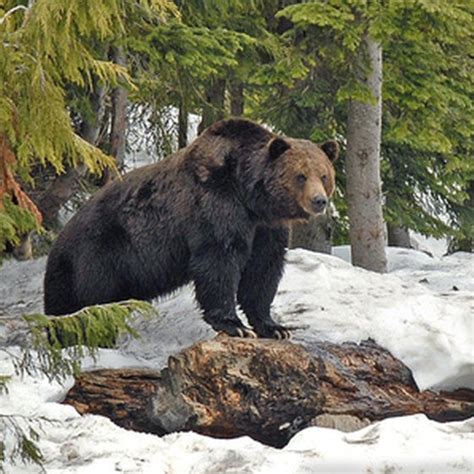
(422, 311)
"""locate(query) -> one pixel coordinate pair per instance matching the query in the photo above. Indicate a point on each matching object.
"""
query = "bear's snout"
(319, 202)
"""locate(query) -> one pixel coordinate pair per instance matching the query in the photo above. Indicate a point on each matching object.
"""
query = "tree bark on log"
(266, 389)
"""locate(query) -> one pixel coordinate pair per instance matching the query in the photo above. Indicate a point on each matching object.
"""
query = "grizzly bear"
(216, 213)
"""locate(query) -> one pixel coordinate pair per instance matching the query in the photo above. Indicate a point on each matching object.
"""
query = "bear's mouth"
(313, 211)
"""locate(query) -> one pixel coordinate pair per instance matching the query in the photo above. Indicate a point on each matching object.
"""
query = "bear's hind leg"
(259, 282)
(59, 296)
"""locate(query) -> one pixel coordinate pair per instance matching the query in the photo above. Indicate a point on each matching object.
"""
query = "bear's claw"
(245, 332)
(281, 333)
(239, 332)
(273, 331)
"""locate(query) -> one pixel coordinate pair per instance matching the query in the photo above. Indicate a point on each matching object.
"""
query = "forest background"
(78, 78)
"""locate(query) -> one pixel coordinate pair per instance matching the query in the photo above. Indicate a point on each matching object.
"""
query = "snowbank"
(421, 311)
(429, 326)
(409, 444)
(430, 331)
(92, 444)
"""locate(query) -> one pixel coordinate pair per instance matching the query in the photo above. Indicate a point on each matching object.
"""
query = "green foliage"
(47, 47)
(80, 333)
(429, 116)
(178, 59)
(28, 449)
(181, 56)
(14, 221)
(4, 379)
(37, 56)
(88, 329)
(428, 66)
(427, 98)
(422, 193)
(22, 447)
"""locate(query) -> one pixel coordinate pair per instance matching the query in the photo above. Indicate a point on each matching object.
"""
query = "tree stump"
(266, 389)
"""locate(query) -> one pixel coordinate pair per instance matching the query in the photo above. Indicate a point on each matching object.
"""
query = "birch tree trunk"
(364, 186)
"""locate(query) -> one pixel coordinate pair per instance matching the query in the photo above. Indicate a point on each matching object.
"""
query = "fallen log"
(266, 389)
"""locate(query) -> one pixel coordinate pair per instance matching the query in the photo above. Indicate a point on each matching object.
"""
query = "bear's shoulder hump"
(240, 129)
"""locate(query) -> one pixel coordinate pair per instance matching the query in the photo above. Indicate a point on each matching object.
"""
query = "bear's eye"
(324, 178)
(301, 179)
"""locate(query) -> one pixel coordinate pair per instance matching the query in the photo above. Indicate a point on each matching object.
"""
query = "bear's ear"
(331, 148)
(278, 146)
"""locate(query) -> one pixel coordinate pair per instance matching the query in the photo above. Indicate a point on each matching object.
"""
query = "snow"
(429, 326)
(143, 143)
(421, 311)
(435, 247)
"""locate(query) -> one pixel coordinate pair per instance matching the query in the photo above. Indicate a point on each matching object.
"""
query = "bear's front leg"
(216, 275)
(259, 282)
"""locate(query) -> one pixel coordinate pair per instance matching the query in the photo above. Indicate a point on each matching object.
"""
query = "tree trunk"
(118, 128)
(364, 187)
(24, 250)
(266, 389)
(65, 185)
(182, 123)
(398, 236)
(213, 109)
(236, 97)
(58, 193)
(313, 235)
(466, 244)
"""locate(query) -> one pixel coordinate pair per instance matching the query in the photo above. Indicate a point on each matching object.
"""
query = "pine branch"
(87, 329)
(4, 379)
(59, 344)
(18, 443)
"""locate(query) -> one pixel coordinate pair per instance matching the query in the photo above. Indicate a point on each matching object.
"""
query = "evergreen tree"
(428, 124)
(427, 101)
(44, 46)
(294, 70)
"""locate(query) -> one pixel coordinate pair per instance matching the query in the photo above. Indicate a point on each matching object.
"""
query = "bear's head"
(278, 178)
(299, 176)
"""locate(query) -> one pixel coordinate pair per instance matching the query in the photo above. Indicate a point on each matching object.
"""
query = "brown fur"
(215, 213)
(306, 158)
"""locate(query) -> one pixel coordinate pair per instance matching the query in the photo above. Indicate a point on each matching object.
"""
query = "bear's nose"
(318, 203)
